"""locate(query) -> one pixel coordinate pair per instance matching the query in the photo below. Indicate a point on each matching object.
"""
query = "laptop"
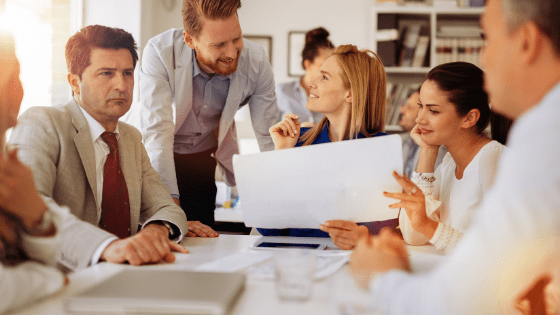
(160, 292)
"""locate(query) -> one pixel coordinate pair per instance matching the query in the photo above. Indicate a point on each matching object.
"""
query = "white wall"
(346, 20)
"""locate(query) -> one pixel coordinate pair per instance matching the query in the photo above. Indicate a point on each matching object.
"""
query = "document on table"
(304, 187)
(260, 264)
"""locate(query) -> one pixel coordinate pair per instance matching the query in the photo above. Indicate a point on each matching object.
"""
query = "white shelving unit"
(430, 16)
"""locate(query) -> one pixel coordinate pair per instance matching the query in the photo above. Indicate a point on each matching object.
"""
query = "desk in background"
(259, 296)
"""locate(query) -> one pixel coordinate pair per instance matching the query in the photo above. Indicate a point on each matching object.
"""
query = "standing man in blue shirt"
(192, 82)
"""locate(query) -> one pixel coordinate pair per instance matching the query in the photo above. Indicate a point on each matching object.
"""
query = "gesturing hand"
(375, 254)
(18, 194)
(150, 245)
(198, 229)
(345, 234)
(285, 134)
(414, 202)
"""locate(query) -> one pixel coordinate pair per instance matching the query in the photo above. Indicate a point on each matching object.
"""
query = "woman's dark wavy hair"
(464, 84)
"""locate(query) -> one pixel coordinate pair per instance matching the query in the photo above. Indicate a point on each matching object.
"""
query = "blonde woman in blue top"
(292, 96)
(350, 92)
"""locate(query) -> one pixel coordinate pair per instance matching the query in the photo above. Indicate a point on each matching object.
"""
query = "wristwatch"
(169, 227)
(44, 225)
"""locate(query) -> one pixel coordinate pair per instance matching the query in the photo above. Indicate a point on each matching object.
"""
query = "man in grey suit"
(75, 165)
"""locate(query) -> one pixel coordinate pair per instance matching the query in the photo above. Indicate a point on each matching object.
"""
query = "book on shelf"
(450, 49)
(422, 46)
(387, 39)
(459, 31)
(470, 3)
(412, 32)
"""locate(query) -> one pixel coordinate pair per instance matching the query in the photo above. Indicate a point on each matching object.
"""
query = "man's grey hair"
(544, 13)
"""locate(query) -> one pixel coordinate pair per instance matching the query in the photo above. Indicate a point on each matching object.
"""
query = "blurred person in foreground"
(29, 234)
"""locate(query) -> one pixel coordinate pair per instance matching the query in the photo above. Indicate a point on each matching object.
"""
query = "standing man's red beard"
(219, 67)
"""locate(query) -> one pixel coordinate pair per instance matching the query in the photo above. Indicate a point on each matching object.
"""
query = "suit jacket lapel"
(84, 145)
(183, 87)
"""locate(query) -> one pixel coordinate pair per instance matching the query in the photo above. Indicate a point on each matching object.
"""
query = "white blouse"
(451, 201)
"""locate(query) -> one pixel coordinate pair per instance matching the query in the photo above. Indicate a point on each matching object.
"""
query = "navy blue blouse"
(373, 227)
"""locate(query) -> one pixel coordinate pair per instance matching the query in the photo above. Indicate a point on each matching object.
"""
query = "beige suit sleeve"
(156, 203)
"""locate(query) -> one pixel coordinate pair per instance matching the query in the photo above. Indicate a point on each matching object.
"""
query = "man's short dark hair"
(79, 46)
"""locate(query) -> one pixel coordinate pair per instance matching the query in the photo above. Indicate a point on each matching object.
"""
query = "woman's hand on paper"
(345, 234)
(285, 134)
(412, 199)
(376, 254)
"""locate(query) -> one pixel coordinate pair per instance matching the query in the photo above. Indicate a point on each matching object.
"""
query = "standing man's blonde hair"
(364, 74)
(195, 11)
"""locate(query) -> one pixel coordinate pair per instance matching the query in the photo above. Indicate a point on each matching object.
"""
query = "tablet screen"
(288, 245)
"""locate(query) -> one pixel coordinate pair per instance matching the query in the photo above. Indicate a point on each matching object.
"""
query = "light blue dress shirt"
(209, 98)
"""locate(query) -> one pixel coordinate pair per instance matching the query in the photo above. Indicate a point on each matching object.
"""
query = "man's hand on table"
(377, 254)
(198, 229)
(150, 245)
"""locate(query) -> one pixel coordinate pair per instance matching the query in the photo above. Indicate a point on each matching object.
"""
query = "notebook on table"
(160, 292)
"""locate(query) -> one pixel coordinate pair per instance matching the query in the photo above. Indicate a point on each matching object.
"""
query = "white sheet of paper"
(306, 186)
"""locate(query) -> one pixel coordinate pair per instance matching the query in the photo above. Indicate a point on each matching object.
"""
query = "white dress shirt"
(514, 233)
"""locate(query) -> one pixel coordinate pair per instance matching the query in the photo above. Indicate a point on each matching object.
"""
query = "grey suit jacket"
(56, 143)
(166, 101)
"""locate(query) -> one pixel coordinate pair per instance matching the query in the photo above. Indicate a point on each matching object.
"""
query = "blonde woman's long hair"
(364, 74)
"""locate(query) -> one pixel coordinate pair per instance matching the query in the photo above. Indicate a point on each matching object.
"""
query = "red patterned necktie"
(115, 207)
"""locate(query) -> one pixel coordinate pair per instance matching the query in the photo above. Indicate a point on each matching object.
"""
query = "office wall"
(346, 20)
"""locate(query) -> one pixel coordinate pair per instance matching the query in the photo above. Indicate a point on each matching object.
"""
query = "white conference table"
(259, 296)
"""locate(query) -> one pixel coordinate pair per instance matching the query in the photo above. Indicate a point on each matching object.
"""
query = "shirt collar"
(95, 127)
(198, 71)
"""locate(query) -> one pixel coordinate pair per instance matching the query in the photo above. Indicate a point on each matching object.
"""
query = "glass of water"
(294, 274)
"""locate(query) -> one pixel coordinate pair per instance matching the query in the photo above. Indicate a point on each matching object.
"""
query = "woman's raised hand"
(412, 199)
(285, 134)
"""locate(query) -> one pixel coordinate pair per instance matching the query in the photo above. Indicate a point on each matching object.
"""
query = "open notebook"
(160, 292)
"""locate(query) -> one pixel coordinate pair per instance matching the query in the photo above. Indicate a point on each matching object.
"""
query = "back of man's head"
(544, 13)
(195, 11)
(79, 46)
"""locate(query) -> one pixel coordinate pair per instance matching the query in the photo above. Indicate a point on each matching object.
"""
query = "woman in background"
(454, 111)
(292, 96)
(350, 92)
(28, 229)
